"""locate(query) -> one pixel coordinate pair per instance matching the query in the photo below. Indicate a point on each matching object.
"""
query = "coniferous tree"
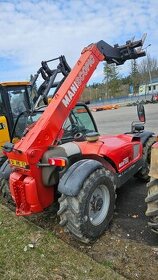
(148, 69)
(135, 76)
(112, 80)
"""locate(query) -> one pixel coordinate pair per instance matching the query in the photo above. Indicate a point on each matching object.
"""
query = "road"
(130, 206)
(119, 120)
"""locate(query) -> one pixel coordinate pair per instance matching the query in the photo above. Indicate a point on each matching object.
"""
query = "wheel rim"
(99, 205)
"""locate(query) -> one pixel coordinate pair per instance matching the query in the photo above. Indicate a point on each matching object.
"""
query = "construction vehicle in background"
(14, 100)
(152, 195)
(18, 100)
(63, 153)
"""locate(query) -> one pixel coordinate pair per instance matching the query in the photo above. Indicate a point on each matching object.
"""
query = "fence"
(122, 100)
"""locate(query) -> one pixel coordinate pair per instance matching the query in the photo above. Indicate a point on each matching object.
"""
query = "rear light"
(57, 162)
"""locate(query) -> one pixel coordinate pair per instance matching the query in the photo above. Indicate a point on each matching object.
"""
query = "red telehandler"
(63, 153)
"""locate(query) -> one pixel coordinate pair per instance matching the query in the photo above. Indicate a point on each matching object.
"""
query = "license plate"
(18, 163)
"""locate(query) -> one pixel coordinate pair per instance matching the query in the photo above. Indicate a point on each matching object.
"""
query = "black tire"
(88, 214)
(152, 204)
(143, 173)
(4, 190)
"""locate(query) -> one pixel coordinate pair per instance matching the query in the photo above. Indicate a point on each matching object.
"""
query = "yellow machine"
(15, 99)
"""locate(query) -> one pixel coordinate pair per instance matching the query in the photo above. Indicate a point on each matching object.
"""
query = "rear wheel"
(143, 173)
(88, 214)
(152, 204)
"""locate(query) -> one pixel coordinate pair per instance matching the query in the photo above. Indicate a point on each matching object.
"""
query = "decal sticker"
(124, 162)
(2, 126)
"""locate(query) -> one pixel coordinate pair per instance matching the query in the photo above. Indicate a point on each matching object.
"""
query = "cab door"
(4, 131)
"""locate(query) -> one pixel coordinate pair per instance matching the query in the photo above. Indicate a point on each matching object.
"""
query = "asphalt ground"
(130, 206)
(119, 120)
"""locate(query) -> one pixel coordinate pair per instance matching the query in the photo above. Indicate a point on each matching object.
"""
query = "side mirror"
(141, 112)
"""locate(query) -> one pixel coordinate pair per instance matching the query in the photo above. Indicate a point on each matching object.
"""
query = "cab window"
(79, 120)
(18, 105)
(17, 100)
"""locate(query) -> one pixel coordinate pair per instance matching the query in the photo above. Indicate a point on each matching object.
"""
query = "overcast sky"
(36, 30)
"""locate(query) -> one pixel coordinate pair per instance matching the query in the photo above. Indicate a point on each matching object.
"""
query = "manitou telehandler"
(62, 154)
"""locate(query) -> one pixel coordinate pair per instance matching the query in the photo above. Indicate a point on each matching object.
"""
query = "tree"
(112, 80)
(148, 69)
(126, 80)
(135, 76)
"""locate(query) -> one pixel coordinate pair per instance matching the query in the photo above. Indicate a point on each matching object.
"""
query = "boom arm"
(29, 150)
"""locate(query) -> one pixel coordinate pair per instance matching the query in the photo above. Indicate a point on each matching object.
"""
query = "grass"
(28, 253)
(108, 263)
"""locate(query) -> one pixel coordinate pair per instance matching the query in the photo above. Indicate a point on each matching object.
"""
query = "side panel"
(121, 151)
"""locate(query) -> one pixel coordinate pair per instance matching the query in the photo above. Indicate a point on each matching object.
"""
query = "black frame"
(119, 54)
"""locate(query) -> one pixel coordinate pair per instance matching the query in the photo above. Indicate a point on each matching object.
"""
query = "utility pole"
(149, 70)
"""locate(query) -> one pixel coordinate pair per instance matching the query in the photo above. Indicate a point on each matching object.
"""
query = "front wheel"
(88, 214)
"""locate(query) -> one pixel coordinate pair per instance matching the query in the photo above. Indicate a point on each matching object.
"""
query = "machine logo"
(124, 162)
(78, 81)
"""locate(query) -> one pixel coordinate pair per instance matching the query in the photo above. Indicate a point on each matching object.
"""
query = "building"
(149, 88)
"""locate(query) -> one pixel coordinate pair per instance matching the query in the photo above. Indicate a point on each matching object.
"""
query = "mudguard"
(72, 181)
(50, 176)
(143, 136)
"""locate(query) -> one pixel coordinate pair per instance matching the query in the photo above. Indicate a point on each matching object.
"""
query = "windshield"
(19, 103)
(79, 121)
(17, 100)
